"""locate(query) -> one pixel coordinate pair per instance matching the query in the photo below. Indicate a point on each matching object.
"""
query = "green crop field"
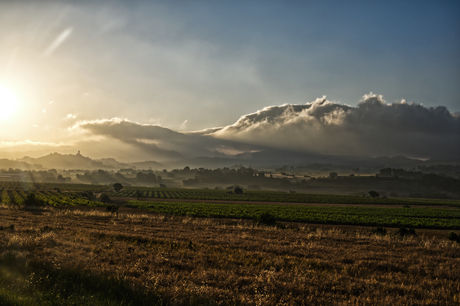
(351, 215)
(416, 216)
(274, 196)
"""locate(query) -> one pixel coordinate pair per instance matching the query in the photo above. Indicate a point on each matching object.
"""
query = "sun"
(8, 103)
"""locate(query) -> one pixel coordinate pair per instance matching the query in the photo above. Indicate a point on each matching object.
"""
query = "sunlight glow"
(8, 103)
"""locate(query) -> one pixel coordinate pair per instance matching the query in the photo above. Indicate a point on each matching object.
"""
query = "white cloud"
(373, 128)
(70, 116)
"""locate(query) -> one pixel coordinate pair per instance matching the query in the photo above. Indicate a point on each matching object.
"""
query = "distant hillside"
(75, 161)
(111, 162)
(147, 165)
(68, 161)
(277, 158)
(264, 159)
(13, 164)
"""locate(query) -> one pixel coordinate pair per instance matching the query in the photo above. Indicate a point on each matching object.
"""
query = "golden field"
(170, 260)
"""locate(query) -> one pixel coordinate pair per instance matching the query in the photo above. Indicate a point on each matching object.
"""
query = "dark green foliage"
(379, 231)
(276, 196)
(402, 231)
(117, 187)
(454, 237)
(374, 194)
(33, 200)
(105, 198)
(265, 218)
(88, 194)
(113, 208)
(367, 216)
(238, 190)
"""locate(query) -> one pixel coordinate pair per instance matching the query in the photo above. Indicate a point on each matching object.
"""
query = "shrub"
(32, 200)
(454, 237)
(117, 187)
(105, 198)
(265, 218)
(379, 231)
(402, 231)
(113, 208)
(373, 194)
(238, 190)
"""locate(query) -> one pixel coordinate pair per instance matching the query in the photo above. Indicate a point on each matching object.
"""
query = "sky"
(158, 80)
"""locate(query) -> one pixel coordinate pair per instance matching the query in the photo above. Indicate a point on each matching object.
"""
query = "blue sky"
(192, 65)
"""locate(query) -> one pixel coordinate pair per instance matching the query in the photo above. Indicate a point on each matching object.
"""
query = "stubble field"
(89, 256)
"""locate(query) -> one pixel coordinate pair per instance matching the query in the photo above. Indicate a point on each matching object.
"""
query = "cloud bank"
(373, 128)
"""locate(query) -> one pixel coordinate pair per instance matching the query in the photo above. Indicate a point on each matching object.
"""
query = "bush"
(402, 231)
(379, 231)
(117, 187)
(113, 208)
(373, 194)
(265, 218)
(105, 198)
(454, 237)
(238, 190)
(32, 200)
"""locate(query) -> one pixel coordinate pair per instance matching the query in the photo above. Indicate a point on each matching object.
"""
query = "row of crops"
(353, 215)
(224, 195)
(14, 197)
(368, 216)
(273, 196)
(13, 185)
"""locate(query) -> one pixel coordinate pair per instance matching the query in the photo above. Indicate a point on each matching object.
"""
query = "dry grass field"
(136, 258)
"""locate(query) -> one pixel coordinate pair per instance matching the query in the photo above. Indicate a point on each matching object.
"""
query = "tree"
(374, 194)
(139, 195)
(238, 190)
(105, 198)
(117, 187)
